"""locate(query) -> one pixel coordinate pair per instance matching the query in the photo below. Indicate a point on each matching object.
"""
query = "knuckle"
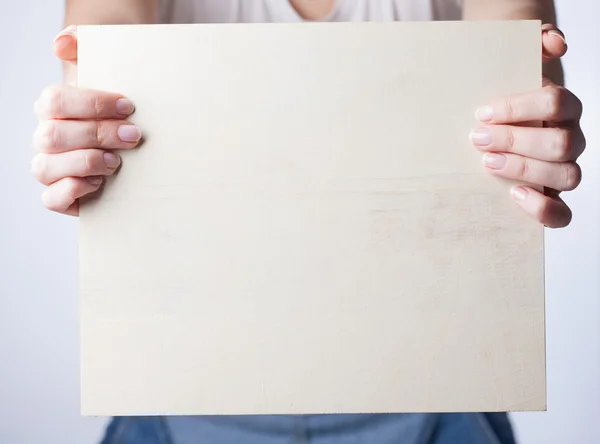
(578, 106)
(46, 137)
(579, 141)
(50, 201)
(39, 167)
(70, 189)
(510, 140)
(564, 145)
(524, 168)
(59, 200)
(99, 105)
(574, 104)
(554, 100)
(95, 135)
(582, 140)
(50, 103)
(572, 176)
(509, 110)
(89, 162)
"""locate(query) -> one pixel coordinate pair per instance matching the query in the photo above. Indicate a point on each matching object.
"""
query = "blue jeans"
(448, 428)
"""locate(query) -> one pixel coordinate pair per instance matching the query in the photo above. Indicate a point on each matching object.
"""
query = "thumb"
(554, 44)
(65, 44)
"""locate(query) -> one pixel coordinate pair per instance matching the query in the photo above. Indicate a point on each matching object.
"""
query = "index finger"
(550, 103)
(70, 102)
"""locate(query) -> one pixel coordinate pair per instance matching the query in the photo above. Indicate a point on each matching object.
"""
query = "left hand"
(538, 156)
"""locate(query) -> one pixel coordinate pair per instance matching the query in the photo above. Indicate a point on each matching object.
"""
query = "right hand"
(77, 132)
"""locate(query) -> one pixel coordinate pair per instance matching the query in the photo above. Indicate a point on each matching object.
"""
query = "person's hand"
(77, 132)
(545, 156)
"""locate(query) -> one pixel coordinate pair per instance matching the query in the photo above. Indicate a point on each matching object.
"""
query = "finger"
(49, 168)
(65, 44)
(73, 210)
(57, 136)
(552, 212)
(550, 103)
(70, 102)
(62, 195)
(551, 144)
(563, 176)
(554, 44)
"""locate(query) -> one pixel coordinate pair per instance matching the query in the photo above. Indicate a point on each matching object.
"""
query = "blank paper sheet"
(306, 227)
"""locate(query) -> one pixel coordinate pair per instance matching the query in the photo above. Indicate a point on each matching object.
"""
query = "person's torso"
(268, 11)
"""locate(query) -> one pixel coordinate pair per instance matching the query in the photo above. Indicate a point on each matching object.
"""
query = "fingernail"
(129, 133)
(558, 34)
(61, 41)
(94, 180)
(481, 137)
(519, 193)
(124, 106)
(69, 31)
(111, 160)
(494, 161)
(484, 114)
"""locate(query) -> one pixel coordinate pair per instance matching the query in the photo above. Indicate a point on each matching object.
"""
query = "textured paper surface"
(307, 228)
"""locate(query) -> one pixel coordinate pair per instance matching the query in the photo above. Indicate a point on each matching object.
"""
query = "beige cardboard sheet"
(306, 228)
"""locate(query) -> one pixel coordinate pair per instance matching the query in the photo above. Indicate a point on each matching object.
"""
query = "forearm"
(106, 12)
(543, 10)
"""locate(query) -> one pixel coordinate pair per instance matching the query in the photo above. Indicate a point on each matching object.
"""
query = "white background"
(39, 375)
